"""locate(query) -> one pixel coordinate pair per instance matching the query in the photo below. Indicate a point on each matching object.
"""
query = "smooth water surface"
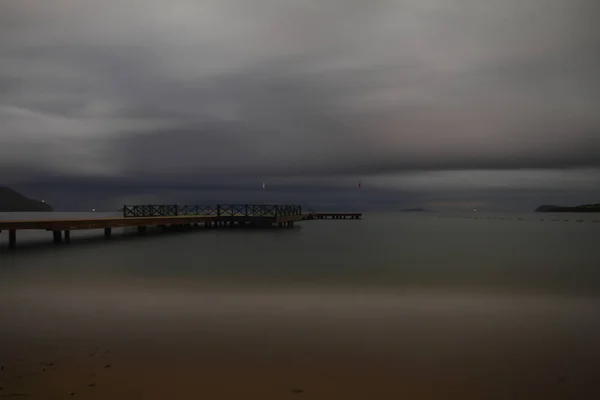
(392, 251)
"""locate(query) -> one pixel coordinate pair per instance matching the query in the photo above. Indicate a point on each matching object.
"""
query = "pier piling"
(12, 239)
(57, 236)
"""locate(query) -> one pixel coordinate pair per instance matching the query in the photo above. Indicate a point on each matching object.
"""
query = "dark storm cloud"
(197, 91)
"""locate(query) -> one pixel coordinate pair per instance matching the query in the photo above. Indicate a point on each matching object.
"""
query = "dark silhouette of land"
(11, 200)
(582, 208)
(415, 210)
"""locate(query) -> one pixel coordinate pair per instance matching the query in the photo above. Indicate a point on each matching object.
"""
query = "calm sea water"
(495, 252)
(433, 305)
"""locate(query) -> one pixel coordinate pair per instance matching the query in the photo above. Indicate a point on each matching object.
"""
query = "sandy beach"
(152, 344)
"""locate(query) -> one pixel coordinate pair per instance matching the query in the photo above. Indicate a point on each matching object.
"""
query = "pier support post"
(57, 236)
(12, 239)
(67, 237)
(107, 232)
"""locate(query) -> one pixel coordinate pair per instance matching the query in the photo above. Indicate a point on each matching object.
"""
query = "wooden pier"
(352, 215)
(165, 216)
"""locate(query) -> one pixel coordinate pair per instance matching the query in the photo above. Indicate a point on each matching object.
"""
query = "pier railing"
(220, 210)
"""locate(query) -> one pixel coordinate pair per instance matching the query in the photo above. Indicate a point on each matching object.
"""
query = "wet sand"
(228, 344)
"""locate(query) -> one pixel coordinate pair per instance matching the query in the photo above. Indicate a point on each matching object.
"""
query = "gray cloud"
(190, 91)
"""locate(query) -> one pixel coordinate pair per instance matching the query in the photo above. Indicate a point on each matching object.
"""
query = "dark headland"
(414, 210)
(11, 201)
(582, 208)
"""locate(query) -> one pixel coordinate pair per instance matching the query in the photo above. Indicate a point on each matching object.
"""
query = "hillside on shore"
(582, 208)
(12, 201)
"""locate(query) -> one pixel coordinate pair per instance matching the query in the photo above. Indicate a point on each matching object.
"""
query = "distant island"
(414, 210)
(582, 208)
(12, 201)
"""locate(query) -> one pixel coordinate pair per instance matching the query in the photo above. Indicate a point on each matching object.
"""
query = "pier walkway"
(164, 216)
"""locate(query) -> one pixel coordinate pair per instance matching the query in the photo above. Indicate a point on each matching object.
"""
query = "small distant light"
(93, 209)
(43, 201)
(475, 210)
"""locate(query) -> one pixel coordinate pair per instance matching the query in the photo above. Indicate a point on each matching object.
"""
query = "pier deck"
(142, 217)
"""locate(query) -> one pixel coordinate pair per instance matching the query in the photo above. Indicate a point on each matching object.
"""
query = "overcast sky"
(441, 103)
